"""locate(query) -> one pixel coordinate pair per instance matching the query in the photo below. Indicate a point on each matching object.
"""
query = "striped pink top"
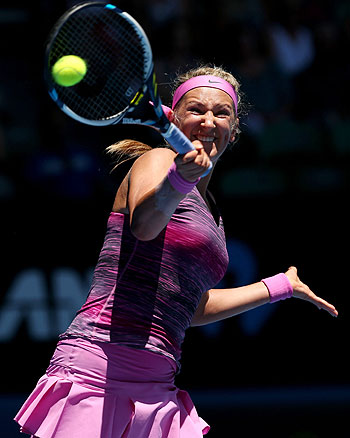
(144, 294)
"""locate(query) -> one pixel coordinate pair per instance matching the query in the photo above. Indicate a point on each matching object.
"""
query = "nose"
(208, 120)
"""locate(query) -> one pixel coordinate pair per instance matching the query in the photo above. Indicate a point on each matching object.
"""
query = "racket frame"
(148, 67)
(133, 113)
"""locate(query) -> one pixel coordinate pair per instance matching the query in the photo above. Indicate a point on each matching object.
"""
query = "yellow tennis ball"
(69, 70)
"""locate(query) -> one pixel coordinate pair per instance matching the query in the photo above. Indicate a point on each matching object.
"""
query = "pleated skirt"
(100, 390)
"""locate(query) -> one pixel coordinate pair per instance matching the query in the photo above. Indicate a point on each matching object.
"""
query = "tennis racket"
(120, 84)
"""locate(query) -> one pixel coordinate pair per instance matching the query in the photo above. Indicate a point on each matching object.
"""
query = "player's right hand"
(193, 164)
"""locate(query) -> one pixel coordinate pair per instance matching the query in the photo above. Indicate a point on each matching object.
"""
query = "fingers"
(324, 305)
(303, 292)
(320, 302)
(194, 164)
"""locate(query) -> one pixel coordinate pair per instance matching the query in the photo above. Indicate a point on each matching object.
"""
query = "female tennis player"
(112, 373)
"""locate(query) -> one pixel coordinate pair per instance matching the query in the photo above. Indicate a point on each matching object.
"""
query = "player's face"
(206, 116)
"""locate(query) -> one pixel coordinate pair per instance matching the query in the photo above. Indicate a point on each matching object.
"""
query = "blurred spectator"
(291, 58)
(251, 11)
(7, 184)
(318, 90)
(162, 20)
(292, 42)
(70, 173)
(268, 89)
(163, 12)
(66, 166)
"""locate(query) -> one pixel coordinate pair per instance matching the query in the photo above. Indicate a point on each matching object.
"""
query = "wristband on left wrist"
(279, 287)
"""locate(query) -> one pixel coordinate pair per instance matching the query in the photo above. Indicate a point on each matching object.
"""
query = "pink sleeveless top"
(144, 294)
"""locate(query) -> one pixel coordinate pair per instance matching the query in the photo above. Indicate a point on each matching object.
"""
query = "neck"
(204, 182)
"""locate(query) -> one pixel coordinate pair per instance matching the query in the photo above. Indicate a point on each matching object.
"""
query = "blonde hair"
(128, 149)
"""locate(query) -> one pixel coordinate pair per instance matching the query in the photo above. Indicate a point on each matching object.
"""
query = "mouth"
(205, 138)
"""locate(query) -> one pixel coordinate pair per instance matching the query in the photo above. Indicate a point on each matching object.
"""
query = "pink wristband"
(178, 182)
(279, 287)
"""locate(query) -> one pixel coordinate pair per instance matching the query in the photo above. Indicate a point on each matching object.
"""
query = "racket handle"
(180, 142)
(178, 139)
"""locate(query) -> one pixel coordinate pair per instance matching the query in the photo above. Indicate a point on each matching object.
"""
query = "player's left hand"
(303, 292)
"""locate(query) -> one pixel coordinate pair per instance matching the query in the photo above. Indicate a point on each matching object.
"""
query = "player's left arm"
(218, 304)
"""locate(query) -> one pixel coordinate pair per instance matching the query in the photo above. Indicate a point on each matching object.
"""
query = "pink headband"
(205, 81)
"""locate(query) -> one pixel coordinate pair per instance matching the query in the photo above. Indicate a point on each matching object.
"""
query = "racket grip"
(178, 140)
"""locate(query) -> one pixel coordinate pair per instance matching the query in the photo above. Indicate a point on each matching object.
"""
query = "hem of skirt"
(55, 401)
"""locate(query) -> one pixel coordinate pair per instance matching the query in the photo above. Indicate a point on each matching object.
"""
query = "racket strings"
(114, 53)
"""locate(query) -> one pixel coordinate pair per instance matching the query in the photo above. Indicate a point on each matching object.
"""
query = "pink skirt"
(98, 390)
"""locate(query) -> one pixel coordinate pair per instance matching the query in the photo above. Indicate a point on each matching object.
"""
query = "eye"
(223, 113)
(194, 110)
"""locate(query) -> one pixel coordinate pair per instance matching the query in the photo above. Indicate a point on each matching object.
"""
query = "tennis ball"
(69, 70)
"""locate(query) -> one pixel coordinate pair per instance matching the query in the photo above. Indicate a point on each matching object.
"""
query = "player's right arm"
(150, 198)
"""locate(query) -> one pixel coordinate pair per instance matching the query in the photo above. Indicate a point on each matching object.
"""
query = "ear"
(234, 130)
(168, 112)
(171, 115)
